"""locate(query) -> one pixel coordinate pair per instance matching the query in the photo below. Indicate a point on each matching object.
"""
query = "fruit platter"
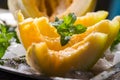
(59, 40)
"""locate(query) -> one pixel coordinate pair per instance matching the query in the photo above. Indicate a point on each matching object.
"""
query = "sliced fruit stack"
(45, 53)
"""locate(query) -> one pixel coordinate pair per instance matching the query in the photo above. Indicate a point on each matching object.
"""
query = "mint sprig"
(66, 28)
(6, 34)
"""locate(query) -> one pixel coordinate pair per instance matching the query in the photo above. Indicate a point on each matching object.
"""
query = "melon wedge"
(44, 31)
(57, 63)
(78, 56)
(46, 55)
(37, 33)
(50, 8)
(91, 18)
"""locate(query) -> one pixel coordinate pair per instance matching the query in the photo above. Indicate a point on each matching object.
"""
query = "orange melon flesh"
(29, 33)
(45, 28)
(50, 62)
(29, 8)
(104, 26)
(43, 31)
(111, 28)
(91, 18)
(51, 8)
(57, 63)
(45, 53)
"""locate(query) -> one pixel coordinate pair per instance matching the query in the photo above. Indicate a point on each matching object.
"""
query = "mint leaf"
(64, 40)
(70, 19)
(66, 28)
(2, 51)
(57, 22)
(6, 34)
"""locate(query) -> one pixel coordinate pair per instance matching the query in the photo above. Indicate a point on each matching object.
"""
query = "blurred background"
(113, 6)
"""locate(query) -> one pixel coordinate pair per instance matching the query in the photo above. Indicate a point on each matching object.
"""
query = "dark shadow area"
(3, 4)
(102, 5)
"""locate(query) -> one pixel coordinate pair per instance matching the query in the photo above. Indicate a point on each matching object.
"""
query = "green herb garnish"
(116, 41)
(6, 34)
(66, 28)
